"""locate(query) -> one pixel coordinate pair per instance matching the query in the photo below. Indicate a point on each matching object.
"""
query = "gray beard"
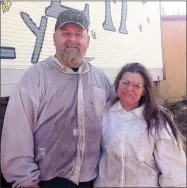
(71, 57)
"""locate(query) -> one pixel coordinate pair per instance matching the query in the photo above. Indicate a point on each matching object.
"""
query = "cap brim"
(73, 23)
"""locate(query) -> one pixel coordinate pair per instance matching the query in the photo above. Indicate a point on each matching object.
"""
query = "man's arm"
(110, 88)
(17, 144)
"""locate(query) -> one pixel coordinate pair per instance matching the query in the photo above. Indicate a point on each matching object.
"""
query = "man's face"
(71, 42)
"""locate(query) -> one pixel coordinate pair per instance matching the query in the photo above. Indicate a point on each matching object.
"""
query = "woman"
(141, 146)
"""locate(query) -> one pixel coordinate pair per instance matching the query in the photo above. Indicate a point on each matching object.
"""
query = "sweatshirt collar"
(85, 67)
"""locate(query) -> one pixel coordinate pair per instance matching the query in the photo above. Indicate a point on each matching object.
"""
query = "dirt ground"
(179, 110)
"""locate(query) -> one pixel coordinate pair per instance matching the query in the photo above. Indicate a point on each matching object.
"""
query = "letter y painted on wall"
(38, 31)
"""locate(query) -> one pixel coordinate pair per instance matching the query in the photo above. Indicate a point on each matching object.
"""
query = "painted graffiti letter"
(7, 52)
(108, 23)
(55, 8)
(39, 32)
(123, 28)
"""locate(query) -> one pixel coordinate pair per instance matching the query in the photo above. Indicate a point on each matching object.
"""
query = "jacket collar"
(85, 67)
(137, 111)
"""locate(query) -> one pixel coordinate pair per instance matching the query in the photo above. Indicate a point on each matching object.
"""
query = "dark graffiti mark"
(39, 32)
(108, 23)
(143, 2)
(148, 20)
(140, 28)
(5, 5)
(114, 1)
(7, 52)
(93, 34)
(55, 8)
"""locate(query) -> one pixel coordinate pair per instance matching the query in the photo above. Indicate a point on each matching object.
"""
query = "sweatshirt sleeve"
(17, 144)
(171, 161)
(109, 88)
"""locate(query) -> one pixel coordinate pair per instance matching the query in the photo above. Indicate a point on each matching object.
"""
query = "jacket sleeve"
(17, 144)
(171, 161)
(110, 89)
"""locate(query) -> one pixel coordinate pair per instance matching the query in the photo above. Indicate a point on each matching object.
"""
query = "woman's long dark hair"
(154, 113)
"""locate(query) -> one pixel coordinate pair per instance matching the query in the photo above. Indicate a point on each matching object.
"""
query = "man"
(52, 127)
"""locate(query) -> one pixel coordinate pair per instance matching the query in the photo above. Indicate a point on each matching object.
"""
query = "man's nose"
(72, 38)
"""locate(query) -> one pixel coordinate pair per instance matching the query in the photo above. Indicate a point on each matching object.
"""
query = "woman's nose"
(130, 87)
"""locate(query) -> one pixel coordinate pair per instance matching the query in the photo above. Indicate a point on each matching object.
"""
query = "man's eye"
(79, 35)
(65, 34)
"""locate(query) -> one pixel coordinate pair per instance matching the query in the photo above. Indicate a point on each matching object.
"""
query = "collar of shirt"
(83, 68)
(137, 111)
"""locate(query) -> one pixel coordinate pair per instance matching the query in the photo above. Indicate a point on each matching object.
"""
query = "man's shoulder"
(34, 71)
(97, 70)
(37, 67)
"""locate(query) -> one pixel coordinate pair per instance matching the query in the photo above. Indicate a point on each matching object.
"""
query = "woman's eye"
(126, 83)
(137, 86)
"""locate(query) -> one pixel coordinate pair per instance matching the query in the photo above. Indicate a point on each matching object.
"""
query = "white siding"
(110, 49)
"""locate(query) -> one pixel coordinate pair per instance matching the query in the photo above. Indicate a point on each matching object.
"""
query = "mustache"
(71, 44)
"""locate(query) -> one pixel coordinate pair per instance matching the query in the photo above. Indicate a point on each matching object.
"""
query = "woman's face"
(131, 88)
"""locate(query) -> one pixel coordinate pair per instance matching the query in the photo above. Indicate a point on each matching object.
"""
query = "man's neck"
(75, 69)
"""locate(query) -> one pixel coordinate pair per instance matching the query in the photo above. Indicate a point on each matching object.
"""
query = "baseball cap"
(71, 16)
